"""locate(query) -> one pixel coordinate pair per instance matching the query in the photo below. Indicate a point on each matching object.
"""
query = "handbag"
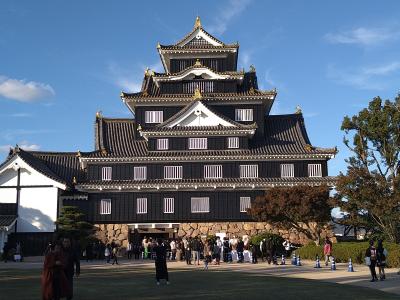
(368, 260)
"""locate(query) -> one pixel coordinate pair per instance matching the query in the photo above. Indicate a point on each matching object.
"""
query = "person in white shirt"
(172, 244)
(287, 246)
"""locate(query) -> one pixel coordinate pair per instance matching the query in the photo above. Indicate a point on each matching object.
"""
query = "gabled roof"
(200, 108)
(197, 70)
(59, 166)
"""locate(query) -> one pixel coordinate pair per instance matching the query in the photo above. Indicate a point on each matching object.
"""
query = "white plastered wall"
(38, 206)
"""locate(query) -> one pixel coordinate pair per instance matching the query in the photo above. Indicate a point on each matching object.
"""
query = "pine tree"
(71, 224)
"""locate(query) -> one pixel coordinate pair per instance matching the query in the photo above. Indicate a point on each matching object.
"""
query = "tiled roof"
(117, 137)
(284, 135)
(236, 180)
(6, 220)
(191, 47)
(59, 166)
(233, 74)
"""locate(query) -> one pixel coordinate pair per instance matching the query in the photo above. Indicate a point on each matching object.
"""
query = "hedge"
(354, 250)
(276, 240)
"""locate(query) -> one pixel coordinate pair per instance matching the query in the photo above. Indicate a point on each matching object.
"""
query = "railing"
(205, 86)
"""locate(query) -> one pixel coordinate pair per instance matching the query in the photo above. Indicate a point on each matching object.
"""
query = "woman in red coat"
(54, 282)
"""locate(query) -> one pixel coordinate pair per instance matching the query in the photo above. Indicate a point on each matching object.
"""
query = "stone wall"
(241, 228)
(117, 233)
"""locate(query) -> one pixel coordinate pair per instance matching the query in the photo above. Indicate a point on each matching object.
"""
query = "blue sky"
(61, 61)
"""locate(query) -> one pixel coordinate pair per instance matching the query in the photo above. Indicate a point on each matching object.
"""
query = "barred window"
(172, 172)
(200, 204)
(287, 170)
(155, 116)
(106, 173)
(213, 171)
(139, 173)
(162, 144)
(233, 142)
(244, 114)
(105, 206)
(169, 205)
(141, 205)
(197, 143)
(248, 171)
(314, 170)
(245, 204)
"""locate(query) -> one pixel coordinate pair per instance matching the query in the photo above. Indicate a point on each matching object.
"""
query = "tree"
(304, 208)
(368, 193)
(71, 224)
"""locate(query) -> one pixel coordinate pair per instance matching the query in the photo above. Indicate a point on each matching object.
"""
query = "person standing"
(107, 253)
(172, 244)
(188, 250)
(161, 262)
(53, 281)
(207, 254)
(72, 264)
(130, 249)
(240, 249)
(382, 254)
(371, 257)
(145, 245)
(286, 244)
(114, 254)
(253, 249)
(217, 251)
(196, 250)
(327, 250)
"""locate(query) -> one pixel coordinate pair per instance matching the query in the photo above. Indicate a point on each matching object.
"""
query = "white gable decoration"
(199, 34)
(200, 115)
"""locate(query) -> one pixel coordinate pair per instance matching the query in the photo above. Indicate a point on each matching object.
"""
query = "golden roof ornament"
(146, 72)
(78, 154)
(145, 93)
(198, 63)
(197, 23)
(252, 69)
(99, 114)
(158, 45)
(308, 147)
(197, 94)
(298, 110)
(74, 180)
(139, 128)
(104, 151)
(251, 91)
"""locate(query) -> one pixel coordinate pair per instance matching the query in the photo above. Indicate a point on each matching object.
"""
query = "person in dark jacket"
(382, 254)
(188, 253)
(253, 249)
(240, 249)
(72, 264)
(371, 254)
(161, 262)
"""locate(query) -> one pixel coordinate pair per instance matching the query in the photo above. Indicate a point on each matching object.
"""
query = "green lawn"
(137, 282)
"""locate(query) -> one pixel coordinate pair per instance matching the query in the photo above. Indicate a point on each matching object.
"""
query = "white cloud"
(230, 10)
(376, 77)
(24, 91)
(25, 145)
(364, 36)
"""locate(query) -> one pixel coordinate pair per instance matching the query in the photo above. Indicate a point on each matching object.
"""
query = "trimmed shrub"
(354, 250)
(277, 240)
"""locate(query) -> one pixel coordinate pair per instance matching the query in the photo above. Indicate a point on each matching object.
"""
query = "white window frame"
(314, 170)
(140, 173)
(244, 114)
(162, 144)
(200, 205)
(212, 171)
(141, 206)
(105, 206)
(233, 142)
(169, 205)
(153, 116)
(248, 171)
(106, 173)
(245, 203)
(197, 143)
(173, 172)
(287, 170)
